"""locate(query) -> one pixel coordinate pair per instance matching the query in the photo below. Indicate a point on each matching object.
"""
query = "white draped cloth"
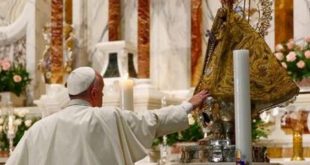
(84, 135)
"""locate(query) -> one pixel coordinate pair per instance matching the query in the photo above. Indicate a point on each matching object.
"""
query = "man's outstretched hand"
(198, 98)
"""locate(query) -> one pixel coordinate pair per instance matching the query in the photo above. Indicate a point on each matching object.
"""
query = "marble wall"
(170, 44)
(301, 19)
(10, 10)
(170, 38)
(97, 29)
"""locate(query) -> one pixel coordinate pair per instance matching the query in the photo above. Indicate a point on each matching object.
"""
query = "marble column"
(114, 19)
(283, 20)
(57, 41)
(68, 11)
(143, 38)
(196, 38)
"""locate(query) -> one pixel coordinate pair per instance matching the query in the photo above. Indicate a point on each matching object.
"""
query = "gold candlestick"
(297, 142)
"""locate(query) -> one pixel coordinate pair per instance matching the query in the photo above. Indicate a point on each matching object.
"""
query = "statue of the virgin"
(270, 85)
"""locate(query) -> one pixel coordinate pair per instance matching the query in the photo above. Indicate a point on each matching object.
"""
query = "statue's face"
(217, 134)
(217, 131)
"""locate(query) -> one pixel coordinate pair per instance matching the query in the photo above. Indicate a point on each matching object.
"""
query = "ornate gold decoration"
(258, 13)
(297, 145)
(284, 152)
(69, 45)
(269, 82)
(45, 64)
(59, 38)
(298, 121)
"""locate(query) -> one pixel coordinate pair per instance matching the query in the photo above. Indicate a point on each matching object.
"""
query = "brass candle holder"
(297, 142)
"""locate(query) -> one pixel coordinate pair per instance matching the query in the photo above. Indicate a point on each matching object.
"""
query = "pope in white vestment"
(81, 134)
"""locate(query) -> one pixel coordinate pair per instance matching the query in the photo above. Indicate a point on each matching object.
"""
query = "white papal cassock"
(83, 135)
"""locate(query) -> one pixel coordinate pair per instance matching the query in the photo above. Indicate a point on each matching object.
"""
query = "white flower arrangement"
(22, 120)
(295, 58)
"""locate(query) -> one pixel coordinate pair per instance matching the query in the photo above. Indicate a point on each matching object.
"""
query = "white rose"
(1, 120)
(22, 112)
(279, 56)
(291, 56)
(290, 45)
(279, 47)
(301, 64)
(28, 123)
(18, 122)
(191, 120)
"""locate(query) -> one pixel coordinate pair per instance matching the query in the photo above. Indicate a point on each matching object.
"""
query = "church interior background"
(158, 44)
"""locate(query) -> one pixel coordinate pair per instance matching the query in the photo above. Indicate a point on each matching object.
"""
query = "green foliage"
(258, 129)
(13, 77)
(191, 134)
(194, 133)
(157, 141)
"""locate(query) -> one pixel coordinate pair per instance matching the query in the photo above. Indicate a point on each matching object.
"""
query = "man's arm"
(150, 124)
(154, 123)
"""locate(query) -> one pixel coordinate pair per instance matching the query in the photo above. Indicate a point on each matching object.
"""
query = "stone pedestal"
(17, 101)
(119, 57)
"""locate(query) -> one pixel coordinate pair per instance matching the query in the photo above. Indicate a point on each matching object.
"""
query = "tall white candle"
(126, 93)
(11, 128)
(242, 104)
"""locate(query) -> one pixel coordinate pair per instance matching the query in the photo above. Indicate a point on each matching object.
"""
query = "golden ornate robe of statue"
(270, 84)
